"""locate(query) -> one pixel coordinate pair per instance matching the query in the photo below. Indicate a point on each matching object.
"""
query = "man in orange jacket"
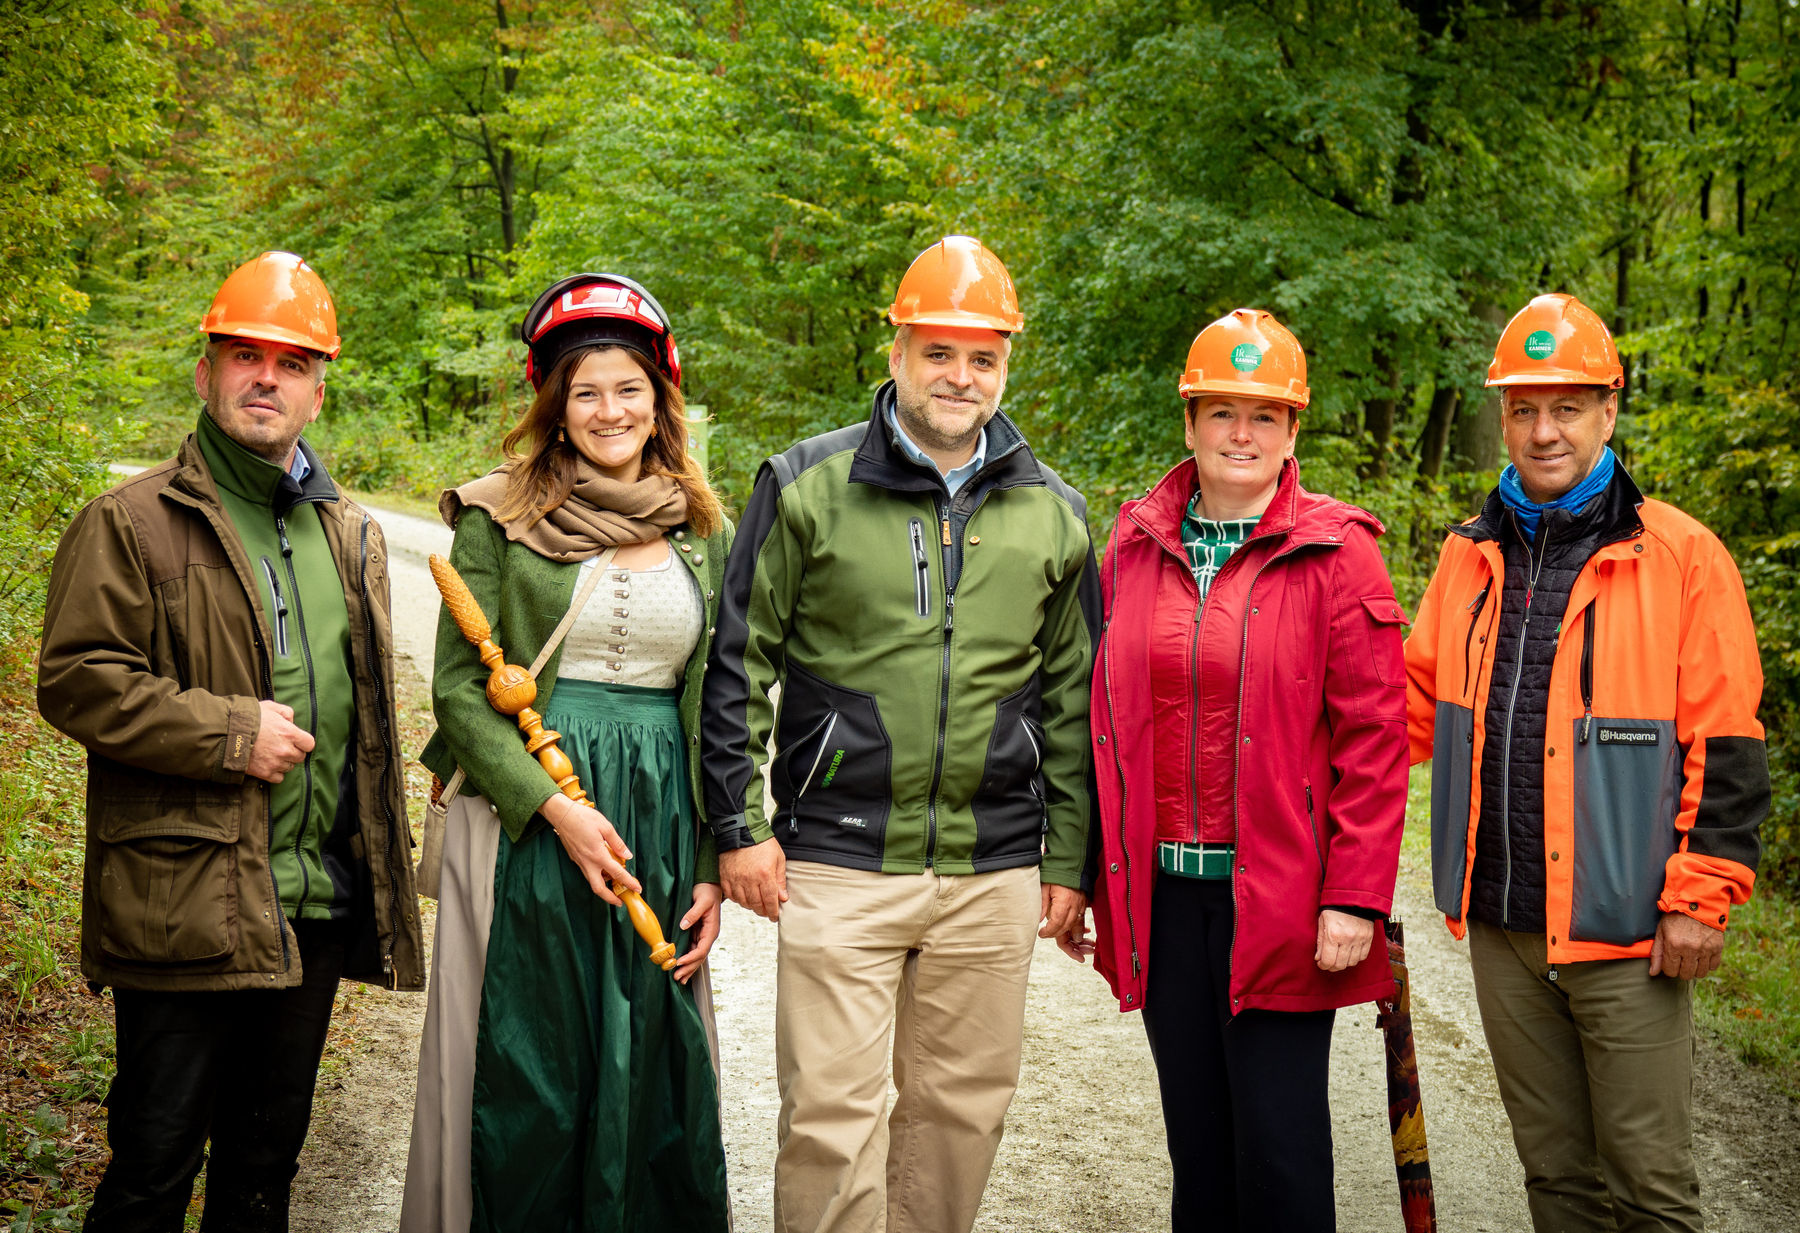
(1584, 677)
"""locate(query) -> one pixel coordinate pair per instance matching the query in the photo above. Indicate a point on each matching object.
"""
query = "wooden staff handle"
(511, 691)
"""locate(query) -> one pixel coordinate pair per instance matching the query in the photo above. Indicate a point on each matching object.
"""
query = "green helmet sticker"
(1246, 357)
(1540, 344)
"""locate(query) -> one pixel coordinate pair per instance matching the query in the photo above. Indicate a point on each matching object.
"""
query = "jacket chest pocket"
(167, 874)
(1627, 793)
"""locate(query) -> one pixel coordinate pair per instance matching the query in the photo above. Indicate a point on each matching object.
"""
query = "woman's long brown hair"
(542, 468)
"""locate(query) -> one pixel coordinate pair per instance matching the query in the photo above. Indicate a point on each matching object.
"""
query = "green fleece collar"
(251, 477)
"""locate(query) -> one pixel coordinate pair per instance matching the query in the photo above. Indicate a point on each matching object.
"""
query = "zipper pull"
(1587, 721)
(945, 523)
(949, 612)
(287, 549)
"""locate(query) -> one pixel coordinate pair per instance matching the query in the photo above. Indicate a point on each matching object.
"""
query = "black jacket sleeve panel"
(735, 713)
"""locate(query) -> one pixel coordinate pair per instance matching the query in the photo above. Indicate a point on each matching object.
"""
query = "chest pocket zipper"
(921, 569)
(281, 609)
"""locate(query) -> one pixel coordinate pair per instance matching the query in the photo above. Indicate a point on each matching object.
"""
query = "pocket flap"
(1385, 610)
(201, 812)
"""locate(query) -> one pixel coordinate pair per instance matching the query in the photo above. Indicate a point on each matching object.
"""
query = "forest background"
(1392, 178)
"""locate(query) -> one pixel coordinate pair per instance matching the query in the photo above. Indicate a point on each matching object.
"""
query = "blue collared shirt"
(300, 468)
(953, 480)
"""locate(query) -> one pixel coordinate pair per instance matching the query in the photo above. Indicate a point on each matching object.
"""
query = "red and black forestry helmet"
(585, 310)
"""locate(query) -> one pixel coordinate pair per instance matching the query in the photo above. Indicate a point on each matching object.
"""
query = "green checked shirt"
(1209, 543)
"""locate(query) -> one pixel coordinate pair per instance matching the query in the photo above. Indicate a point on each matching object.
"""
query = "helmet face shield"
(590, 309)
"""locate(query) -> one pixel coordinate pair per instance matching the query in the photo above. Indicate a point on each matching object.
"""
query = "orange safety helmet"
(957, 281)
(1247, 352)
(276, 297)
(1556, 340)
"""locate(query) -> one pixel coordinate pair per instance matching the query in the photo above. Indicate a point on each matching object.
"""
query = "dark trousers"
(1244, 1097)
(238, 1067)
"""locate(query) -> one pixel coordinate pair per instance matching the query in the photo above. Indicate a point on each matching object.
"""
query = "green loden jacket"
(524, 596)
(934, 656)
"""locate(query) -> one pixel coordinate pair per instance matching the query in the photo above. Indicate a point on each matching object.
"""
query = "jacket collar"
(253, 478)
(881, 463)
(1295, 516)
(1613, 515)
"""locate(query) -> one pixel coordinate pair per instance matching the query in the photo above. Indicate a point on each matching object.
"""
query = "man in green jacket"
(217, 634)
(923, 590)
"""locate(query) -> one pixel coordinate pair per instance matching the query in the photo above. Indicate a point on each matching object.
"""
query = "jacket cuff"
(1710, 907)
(1350, 909)
(733, 832)
(706, 864)
(243, 720)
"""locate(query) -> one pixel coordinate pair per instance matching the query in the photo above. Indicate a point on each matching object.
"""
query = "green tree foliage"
(81, 85)
(1392, 178)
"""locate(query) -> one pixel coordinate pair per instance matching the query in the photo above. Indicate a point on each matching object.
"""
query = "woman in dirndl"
(565, 1081)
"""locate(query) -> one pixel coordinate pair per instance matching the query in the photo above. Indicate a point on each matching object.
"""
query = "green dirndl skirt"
(595, 1102)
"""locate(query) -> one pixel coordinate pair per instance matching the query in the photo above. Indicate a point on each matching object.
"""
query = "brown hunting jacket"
(155, 654)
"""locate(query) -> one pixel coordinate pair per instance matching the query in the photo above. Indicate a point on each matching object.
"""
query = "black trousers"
(238, 1067)
(1245, 1097)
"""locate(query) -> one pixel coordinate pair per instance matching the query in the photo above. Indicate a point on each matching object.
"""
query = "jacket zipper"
(1194, 738)
(1475, 607)
(1237, 753)
(312, 701)
(281, 608)
(1037, 762)
(937, 758)
(1587, 669)
(381, 727)
(1512, 702)
(1112, 729)
(921, 569)
(824, 744)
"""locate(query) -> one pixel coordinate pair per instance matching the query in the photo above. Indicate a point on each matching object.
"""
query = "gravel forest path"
(1084, 1150)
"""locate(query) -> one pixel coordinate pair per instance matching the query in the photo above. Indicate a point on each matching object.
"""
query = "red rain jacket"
(1274, 716)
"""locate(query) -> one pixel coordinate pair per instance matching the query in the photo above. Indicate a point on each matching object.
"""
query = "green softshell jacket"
(524, 596)
(279, 527)
(158, 645)
(933, 654)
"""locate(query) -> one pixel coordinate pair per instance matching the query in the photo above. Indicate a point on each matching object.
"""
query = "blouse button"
(699, 558)
(687, 547)
(680, 535)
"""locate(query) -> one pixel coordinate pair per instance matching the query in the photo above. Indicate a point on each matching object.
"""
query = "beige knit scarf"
(599, 513)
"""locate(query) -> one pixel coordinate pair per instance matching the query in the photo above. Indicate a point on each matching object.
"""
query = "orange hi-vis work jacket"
(1655, 773)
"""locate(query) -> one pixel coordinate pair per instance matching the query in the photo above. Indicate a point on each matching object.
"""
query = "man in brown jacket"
(217, 635)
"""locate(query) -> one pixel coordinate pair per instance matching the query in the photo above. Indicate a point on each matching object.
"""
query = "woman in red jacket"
(1249, 720)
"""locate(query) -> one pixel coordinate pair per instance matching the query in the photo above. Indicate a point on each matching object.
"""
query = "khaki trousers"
(940, 963)
(1595, 1063)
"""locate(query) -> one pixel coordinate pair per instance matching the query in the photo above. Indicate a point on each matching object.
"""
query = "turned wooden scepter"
(511, 691)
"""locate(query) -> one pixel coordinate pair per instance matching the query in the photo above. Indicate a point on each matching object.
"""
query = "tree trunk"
(1378, 417)
(1436, 437)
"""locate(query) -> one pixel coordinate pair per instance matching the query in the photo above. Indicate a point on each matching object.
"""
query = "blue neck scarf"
(1529, 511)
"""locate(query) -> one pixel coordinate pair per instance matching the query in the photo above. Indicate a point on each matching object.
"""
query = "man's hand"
(593, 843)
(280, 744)
(1344, 940)
(1685, 948)
(756, 877)
(706, 911)
(1063, 913)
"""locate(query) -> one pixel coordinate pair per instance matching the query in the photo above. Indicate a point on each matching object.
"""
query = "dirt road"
(1083, 1150)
